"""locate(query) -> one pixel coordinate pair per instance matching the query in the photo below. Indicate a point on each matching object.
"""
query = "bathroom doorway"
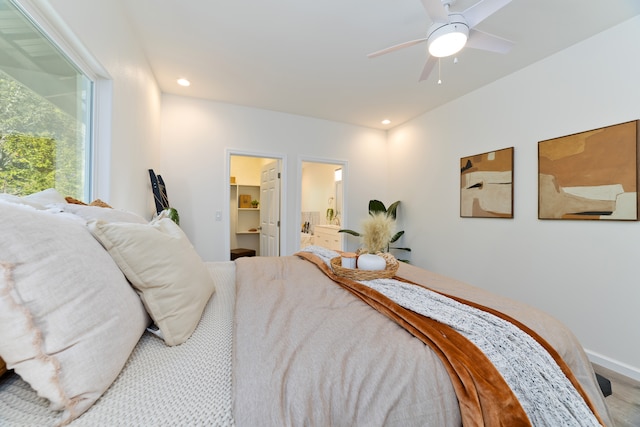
(322, 208)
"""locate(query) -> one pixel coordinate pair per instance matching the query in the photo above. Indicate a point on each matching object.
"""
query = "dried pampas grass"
(378, 229)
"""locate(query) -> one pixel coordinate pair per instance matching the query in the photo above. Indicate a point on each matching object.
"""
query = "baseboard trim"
(614, 365)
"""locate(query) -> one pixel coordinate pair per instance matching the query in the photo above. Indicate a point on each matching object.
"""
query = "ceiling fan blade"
(482, 10)
(435, 10)
(428, 67)
(485, 41)
(396, 47)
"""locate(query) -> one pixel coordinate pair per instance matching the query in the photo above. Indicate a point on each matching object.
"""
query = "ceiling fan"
(451, 31)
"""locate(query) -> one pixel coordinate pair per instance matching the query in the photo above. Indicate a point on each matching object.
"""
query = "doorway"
(254, 205)
(322, 207)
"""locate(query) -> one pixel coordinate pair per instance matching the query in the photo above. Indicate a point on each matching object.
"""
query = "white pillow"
(39, 200)
(159, 261)
(10, 198)
(68, 317)
(45, 197)
(89, 213)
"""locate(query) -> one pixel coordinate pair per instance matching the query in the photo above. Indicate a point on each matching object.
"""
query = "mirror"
(322, 201)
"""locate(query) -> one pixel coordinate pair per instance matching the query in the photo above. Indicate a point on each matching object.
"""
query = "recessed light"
(184, 82)
(385, 121)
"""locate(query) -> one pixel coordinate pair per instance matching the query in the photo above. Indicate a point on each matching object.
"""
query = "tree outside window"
(45, 112)
(38, 144)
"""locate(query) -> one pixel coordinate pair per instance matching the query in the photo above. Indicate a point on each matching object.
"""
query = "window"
(45, 112)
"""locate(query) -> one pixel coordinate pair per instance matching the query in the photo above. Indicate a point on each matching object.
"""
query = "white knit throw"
(545, 393)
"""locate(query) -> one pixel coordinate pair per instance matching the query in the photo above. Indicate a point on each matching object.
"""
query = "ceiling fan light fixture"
(448, 39)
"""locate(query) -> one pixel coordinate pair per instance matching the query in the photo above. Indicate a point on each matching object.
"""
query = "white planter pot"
(371, 262)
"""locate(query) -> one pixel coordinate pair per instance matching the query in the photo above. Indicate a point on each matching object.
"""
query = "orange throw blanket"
(484, 396)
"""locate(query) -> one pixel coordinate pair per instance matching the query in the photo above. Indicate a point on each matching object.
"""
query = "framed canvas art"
(591, 175)
(486, 185)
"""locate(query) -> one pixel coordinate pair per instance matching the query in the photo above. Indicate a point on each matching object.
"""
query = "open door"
(270, 209)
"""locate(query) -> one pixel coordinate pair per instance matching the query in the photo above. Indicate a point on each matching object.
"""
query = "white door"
(270, 209)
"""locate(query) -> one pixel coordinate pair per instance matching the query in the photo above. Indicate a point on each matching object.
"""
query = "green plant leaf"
(172, 213)
(392, 209)
(396, 236)
(376, 206)
(353, 233)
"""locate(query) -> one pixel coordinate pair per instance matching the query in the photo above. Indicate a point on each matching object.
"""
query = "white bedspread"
(189, 384)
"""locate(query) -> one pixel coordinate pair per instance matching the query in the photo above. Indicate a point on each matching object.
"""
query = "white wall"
(196, 135)
(582, 272)
(135, 128)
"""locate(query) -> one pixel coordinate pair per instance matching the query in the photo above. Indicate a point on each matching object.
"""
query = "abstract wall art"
(590, 175)
(486, 185)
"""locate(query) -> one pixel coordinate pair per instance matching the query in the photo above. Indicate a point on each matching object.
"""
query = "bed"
(267, 341)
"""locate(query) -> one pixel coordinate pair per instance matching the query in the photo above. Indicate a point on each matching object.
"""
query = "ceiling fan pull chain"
(439, 80)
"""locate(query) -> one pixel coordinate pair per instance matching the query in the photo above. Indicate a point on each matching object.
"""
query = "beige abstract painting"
(486, 185)
(590, 175)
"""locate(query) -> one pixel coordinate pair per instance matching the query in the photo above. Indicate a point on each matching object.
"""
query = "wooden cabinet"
(328, 237)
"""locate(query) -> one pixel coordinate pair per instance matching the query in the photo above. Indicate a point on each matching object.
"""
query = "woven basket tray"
(357, 274)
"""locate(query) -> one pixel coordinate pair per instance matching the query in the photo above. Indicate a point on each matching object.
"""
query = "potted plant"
(330, 215)
(379, 229)
(254, 203)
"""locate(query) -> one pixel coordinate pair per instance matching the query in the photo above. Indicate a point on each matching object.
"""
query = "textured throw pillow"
(100, 203)
(68, 317)
(96, 202)
(74, 201)
(159, 261)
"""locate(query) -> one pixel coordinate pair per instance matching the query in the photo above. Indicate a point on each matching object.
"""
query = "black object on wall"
(159, 192)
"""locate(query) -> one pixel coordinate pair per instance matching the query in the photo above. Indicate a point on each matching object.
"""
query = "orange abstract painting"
(486, 185)
(590, 175)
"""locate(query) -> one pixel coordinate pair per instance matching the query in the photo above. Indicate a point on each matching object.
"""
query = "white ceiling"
(310, 57)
